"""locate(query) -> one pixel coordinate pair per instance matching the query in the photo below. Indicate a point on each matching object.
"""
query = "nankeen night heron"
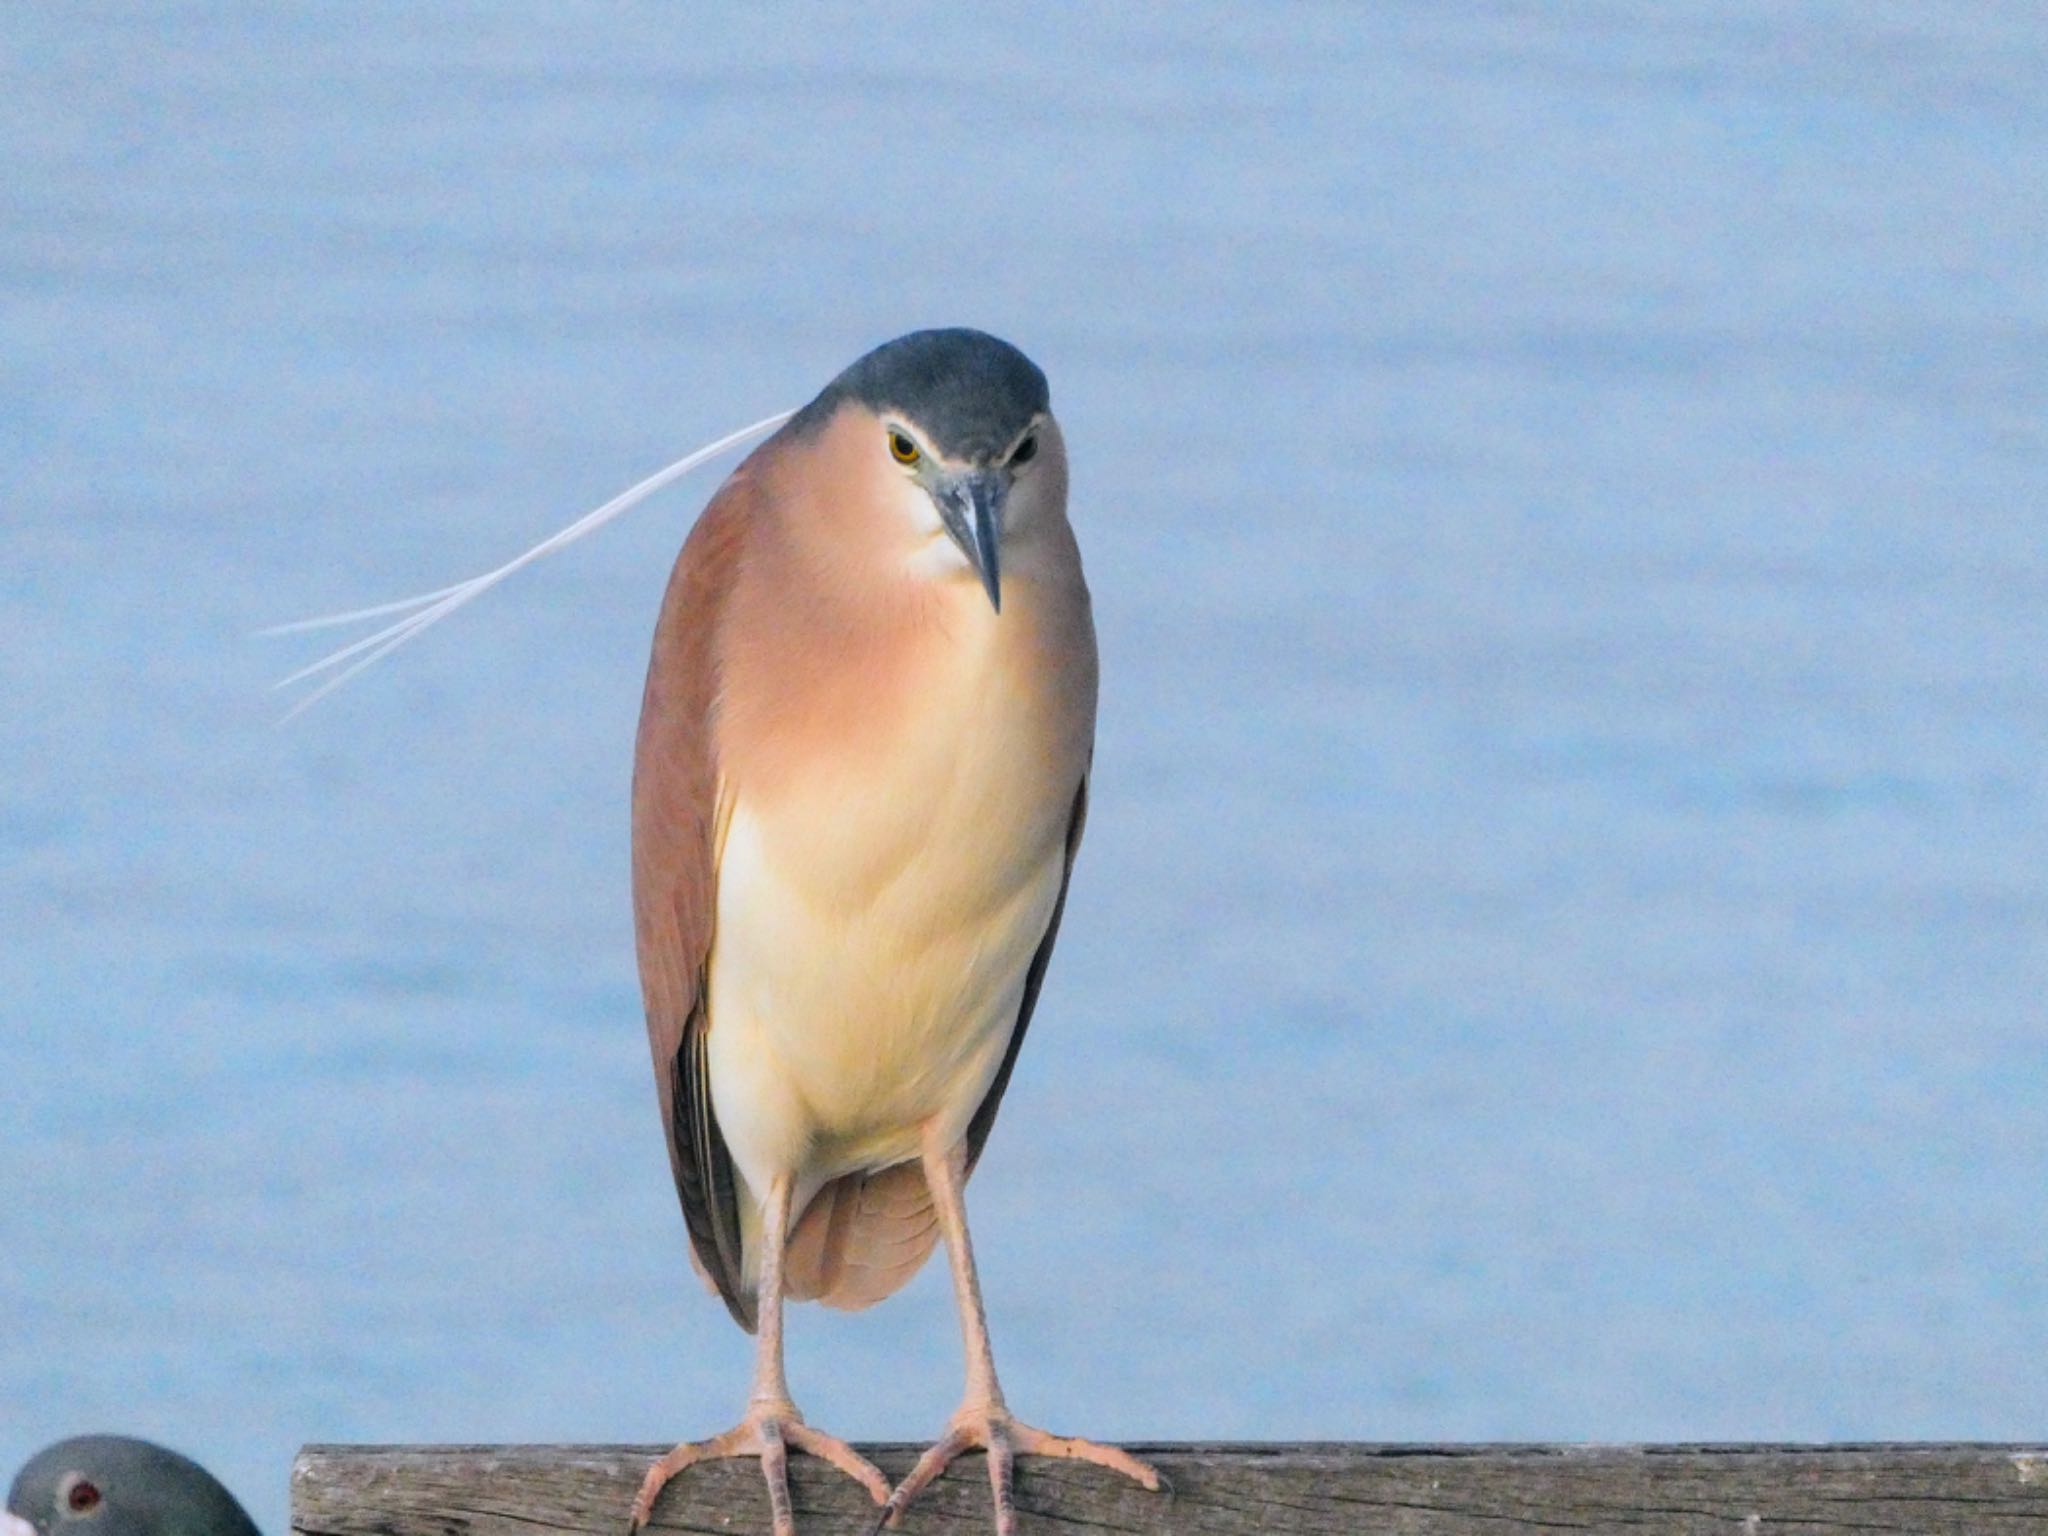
(860, 783)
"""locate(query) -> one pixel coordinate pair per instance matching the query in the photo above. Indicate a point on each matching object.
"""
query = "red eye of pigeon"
(83, 1497)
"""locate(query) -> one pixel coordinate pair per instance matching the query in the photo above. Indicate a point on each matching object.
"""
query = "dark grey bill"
(971, 507)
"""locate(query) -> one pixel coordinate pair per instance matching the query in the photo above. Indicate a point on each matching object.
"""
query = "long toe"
(814, 1442)
(1036, 1442)
(1002, 1466)
(688, 1454)
(934, 1461)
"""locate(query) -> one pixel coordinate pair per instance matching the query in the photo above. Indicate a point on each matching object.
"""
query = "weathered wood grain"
(1402, 1490)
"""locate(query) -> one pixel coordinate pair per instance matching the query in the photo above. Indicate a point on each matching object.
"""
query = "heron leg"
(984, 1420)
(771, 1425)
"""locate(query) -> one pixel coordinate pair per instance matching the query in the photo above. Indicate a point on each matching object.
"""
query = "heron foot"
(769, 1431)
(990, 1428)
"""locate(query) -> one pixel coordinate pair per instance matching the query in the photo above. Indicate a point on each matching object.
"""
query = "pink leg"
(771, 1424)
(984, 1420)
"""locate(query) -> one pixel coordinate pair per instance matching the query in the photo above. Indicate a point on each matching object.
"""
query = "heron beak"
(971, 507)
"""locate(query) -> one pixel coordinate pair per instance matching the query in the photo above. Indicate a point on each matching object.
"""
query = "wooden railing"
(1407, 1490)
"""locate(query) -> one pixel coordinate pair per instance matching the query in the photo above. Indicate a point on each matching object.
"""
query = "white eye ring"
(79, 1497)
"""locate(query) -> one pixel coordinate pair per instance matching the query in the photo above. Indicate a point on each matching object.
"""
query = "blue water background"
(1562, 942)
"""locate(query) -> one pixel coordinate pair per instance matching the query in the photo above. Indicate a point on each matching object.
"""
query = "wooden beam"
(1401, 1490)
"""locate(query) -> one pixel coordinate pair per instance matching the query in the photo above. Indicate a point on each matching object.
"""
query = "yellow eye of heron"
(902, 449)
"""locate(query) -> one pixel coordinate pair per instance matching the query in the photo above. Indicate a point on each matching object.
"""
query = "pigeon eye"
(1026, 451)
(82, 1497)
(902, 449)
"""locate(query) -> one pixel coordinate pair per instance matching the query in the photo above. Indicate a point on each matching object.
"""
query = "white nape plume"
(429, 608)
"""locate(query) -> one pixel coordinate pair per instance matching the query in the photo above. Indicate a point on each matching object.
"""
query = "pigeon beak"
(14, 1525)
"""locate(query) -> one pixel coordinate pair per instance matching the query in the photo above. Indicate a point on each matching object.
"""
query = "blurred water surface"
(1561, 944)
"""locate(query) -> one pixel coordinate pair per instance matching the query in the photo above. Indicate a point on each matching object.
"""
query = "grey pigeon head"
(109, 1485)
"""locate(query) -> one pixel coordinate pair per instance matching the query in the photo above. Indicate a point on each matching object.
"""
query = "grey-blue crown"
(970, 392)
